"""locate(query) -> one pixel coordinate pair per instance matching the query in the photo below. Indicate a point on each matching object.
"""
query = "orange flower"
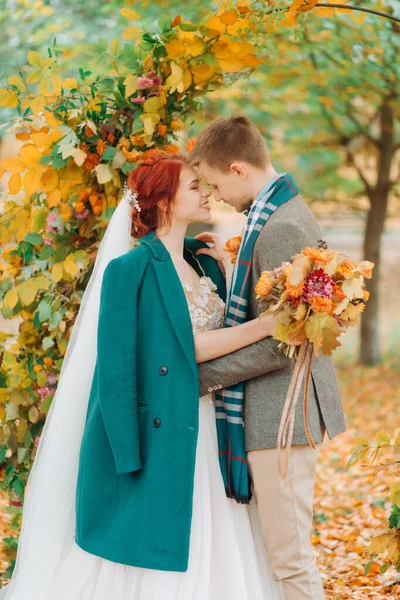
(85, 148)
(172, 149)
(346, 269)
(132, 156)
(100, 147)
(294, 291)
(162, 130)
(319, 304)
(137, 141)
(232, 246)
(318, 255)
(366, 295)
(365, 267)
(338, 292)
(123, 143)
(89, 132)
(111, 138)
(103, 133)
(91, 161)
(176, 125)
(264, 285)
(190, 145)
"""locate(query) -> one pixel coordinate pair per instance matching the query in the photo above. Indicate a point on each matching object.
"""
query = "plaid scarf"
(229, 401)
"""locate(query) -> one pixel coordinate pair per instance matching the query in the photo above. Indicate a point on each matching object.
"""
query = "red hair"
(156, 181)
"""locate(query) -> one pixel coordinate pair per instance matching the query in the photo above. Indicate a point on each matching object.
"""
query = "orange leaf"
(53, 198)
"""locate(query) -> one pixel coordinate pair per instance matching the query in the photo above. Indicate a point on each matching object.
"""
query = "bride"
(126, 499)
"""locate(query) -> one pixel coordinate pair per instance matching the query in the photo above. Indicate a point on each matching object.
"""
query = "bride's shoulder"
(136, 258)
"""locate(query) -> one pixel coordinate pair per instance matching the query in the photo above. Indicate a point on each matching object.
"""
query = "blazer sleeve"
(116, 368)
(278, 243)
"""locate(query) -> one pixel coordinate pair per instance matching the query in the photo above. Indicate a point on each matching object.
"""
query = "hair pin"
(132, 197)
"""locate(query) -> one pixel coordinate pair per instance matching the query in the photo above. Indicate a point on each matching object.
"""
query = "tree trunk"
(370, 352)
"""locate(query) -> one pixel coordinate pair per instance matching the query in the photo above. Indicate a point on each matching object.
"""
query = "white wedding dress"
(227, 559)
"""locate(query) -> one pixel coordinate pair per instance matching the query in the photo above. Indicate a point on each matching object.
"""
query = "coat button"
(163, 370)
(156, 422)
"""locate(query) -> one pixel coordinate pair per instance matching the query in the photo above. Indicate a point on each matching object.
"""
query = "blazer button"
(156, 422)
(163, 370)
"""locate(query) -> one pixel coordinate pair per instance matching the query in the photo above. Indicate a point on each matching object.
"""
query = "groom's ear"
(238, 169)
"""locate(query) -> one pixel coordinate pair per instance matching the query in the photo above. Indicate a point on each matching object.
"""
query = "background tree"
(330, 106)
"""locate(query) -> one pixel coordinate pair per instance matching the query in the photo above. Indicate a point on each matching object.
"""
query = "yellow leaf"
(353, 288)
(215, 24)
(130, 85)
(103, 173)
(35, 76)
(130, 14)
(38, 104)
(27, 291)
(70, 83)
(35, 59)
(324, 12)
(12, 100)
(229, 17)
(30, 155)
(32, 180)
(383, 439)
(175, 80)
(194, 46)
(395, 493)
(70, 267)
(116, 47)
(132, 33)
(152, 105)
(54, 198)
(289, 20)
(65, 212)
(251, 60)
(175, 49)
(42, 282)
(49, 180)
(44, 87)
(10, 299)
(17, 82)
(42, 140)
(15, 183)
(57, 271)
(203, 72)
(13, 165)
(299, 269)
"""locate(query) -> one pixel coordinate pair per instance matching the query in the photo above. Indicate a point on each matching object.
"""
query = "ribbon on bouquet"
(286, 426)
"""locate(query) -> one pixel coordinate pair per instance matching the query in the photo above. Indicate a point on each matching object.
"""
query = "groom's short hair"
(227, 140)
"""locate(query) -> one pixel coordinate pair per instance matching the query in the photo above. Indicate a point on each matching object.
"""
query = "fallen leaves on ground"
(353, 506)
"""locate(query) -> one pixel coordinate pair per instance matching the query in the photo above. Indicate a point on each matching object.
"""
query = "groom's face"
(230, 187)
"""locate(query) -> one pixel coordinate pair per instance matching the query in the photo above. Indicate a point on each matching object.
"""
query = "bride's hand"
(217, 250)
(269, 323)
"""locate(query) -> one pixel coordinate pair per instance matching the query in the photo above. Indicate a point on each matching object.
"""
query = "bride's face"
(191, 201)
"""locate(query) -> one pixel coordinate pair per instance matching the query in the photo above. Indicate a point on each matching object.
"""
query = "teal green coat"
(136, 465)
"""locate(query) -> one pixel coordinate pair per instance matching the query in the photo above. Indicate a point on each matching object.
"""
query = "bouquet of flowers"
(315, 298)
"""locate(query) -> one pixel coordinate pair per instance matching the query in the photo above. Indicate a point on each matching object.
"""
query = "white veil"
(48, 517)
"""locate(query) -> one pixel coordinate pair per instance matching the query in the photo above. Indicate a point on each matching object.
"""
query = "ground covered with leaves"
(350, 506)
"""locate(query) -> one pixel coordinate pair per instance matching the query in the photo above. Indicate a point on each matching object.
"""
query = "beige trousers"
(286, 514)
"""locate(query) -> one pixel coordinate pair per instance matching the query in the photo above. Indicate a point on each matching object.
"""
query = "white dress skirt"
(227, 559)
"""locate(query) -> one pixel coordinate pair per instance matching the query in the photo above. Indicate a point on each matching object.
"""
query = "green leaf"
(39, 220)
(46, 159)
(116, 47)
(47, 343)
(367, 567)
(45, 406)
(41, 378)
(55, 320)
(44, 311)
(187, 27)
(109, 153)
(33, 238)
(384, 568)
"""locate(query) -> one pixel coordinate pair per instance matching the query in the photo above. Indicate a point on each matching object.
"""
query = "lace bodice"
(207, 308)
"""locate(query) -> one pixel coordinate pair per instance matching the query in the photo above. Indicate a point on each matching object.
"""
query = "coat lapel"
(173, 296)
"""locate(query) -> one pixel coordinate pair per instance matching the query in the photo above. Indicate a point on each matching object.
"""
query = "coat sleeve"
(278, 243)
(116, 368)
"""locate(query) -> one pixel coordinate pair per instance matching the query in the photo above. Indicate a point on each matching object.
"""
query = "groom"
(233, 158)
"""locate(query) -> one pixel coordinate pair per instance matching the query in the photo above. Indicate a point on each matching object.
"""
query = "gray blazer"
(267, 370)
